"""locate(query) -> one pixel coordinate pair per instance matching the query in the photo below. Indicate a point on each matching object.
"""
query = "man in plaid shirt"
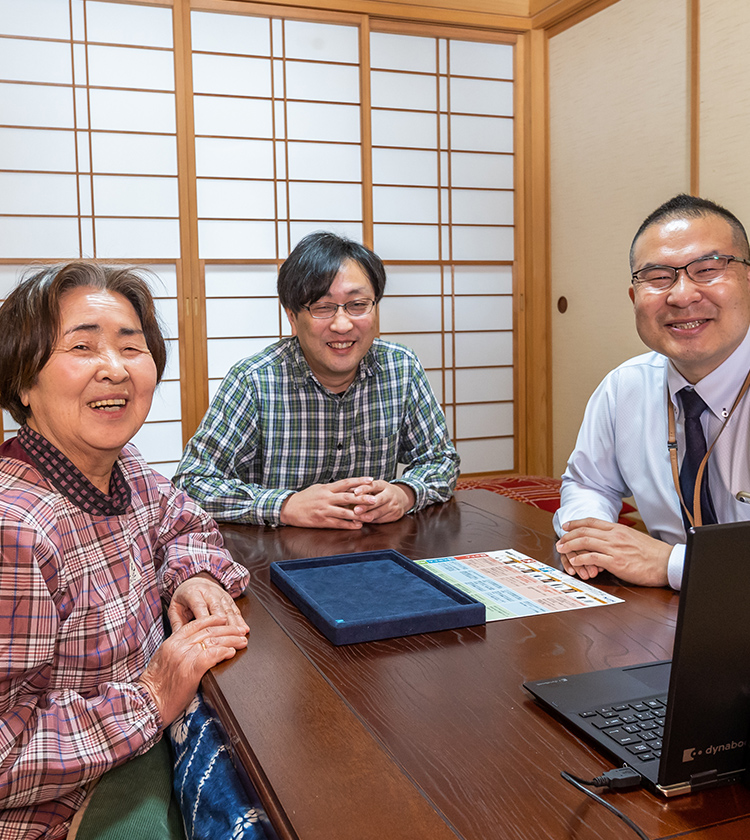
(310, 431)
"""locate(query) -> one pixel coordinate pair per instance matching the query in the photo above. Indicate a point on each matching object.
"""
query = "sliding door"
(88, 160)
(202, 140)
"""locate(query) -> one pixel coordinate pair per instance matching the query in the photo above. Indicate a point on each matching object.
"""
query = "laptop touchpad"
(654, 675)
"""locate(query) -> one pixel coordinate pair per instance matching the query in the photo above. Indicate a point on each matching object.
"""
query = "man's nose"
(684, 289)
(341, 321)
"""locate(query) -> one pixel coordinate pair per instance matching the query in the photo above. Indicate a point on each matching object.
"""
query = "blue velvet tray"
(373, 595)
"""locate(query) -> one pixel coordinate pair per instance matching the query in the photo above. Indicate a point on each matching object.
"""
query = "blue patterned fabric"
(212, 799)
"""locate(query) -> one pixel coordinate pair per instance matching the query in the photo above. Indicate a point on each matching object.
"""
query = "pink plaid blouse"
(82, 580)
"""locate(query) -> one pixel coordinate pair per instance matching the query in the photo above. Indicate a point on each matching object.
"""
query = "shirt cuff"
(267, 506)
(150, 716)
(225, 571)
(420, 494)
(674, 569)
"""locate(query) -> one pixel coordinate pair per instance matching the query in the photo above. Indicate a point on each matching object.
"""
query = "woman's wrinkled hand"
(200, 596)
(174, 673)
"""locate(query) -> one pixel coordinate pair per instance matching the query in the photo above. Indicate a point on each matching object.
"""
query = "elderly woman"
(92, 543)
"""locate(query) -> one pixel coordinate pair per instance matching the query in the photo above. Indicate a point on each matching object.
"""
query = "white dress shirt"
(622, 448)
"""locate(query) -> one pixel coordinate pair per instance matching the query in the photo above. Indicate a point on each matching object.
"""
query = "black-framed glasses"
(661, 278)
(353, 308)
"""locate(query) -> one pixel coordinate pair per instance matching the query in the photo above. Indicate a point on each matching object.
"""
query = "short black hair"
(694, 207)
(309, 271)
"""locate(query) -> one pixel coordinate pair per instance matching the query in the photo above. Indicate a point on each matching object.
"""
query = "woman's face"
(95, 391)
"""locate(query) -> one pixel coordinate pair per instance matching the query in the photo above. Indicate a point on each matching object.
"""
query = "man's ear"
(292, 318)
(631, 292)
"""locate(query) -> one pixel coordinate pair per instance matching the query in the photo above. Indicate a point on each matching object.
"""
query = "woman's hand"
(175, 670)
(200, 596)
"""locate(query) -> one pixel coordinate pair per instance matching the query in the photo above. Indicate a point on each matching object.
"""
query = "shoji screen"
(88, 158)
(280, 149)
(278, 154)
(442, 169)
(401, 138)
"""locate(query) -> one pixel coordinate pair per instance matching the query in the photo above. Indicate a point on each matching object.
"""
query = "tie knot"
(692, 403)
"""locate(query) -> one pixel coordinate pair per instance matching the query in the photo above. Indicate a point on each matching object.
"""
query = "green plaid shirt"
(272, 430)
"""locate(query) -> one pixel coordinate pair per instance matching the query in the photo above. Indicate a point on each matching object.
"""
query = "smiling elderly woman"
(92, 542)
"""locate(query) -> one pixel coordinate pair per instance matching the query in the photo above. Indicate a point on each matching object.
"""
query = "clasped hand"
(590, 546)
(348, 504)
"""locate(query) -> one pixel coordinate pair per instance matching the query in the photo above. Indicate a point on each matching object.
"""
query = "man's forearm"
(578, 501)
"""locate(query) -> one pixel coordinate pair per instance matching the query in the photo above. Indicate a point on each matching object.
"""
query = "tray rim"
(462, 611)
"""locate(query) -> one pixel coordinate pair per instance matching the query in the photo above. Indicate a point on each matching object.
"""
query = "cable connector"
(621, 778)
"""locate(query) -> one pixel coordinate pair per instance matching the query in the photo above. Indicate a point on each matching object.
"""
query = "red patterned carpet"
(537, 490)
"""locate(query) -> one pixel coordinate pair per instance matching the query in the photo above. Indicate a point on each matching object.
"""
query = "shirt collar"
(369, 366)
(71, 482)
(719, 388)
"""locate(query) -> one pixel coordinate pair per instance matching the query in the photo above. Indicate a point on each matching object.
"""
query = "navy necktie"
(695, 450)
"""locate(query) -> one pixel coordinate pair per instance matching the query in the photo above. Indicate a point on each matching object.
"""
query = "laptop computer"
(682, 724)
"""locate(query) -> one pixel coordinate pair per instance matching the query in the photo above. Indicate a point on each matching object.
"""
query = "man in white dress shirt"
(691, 296)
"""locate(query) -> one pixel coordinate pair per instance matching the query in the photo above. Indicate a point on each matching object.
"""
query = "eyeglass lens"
(702, 270)
(354, 308)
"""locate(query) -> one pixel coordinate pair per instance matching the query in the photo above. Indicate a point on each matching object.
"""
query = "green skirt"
(134, 801)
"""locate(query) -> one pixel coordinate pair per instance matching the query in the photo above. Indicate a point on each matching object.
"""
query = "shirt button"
(340, 446)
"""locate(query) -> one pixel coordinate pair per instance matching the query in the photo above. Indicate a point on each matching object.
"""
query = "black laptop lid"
(708, 713)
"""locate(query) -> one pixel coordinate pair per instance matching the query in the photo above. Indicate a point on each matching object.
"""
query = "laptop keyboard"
(638, 726)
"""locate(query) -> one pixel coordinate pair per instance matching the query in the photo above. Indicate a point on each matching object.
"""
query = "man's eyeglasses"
(661, 278)
(353, 308)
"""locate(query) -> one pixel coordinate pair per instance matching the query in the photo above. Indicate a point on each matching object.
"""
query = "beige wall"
(725, 104)
(619, 141)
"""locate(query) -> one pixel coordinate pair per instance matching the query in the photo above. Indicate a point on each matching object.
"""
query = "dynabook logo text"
(689, 755)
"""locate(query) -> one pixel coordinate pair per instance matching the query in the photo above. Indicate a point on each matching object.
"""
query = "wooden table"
(432, 737)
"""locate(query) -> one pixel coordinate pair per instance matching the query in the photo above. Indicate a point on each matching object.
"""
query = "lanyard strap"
(696, 520)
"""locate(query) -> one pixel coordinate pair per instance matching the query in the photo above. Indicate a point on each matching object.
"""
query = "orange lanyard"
(696, 520)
